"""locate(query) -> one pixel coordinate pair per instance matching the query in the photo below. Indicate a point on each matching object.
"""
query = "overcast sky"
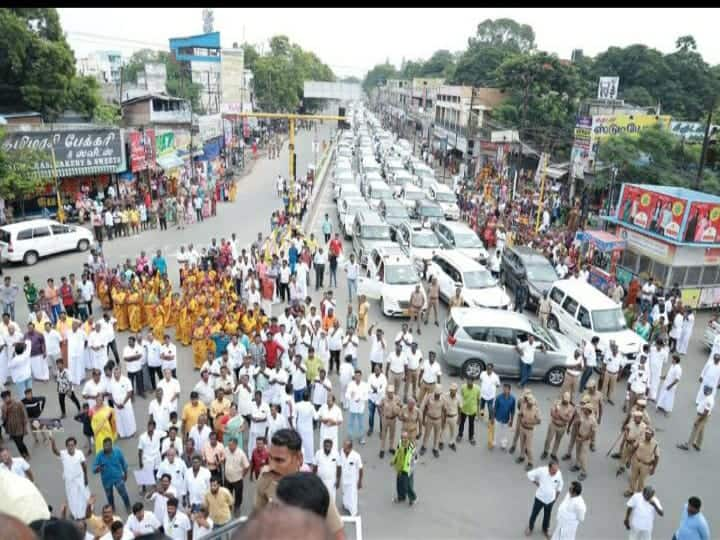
(351, 41)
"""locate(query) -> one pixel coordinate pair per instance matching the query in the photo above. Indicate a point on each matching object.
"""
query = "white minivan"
(27, 241)
(580, 311)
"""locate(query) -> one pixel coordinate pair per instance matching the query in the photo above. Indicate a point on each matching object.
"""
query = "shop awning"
(71, 172)
(170, 161)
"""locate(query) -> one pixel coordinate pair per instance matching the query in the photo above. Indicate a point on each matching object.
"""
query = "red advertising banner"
(655, 212)
(137, 151)
(703, 223)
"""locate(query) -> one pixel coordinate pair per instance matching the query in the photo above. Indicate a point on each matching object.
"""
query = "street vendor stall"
(602, 251)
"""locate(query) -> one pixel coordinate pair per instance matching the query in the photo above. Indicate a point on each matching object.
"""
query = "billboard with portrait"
(703, 223)
(655, 212)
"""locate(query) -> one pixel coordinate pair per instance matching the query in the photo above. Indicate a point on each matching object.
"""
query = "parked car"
(391, 278)
(347, 210)
(473, 337)
(393, 211)
(456, 235)
(446, 198)
(369, 232)
(377, 192)
(410, 193)
(342, 178)
(426, 212)
(28, 241)
(521, 264)
(420, 243)
(580, 311)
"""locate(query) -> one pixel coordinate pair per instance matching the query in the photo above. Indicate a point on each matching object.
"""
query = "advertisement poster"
(703, 223)
(165, 143)
(150, 146)
(137, 151)
(652, 211)
(617, 124)
(690, 297)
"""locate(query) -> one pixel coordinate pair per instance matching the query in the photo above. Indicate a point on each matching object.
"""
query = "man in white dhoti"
(331, 417)
(570, 513)
(10, 336)
(656, 360)
(76, 353)
(710, 376)
(38, 355)
(305, 415)
(122, 393)
(666, 398)
(276, 421)
(686, 332)
(327, 467)
(75, 476)
(676, 330)
(94, 387)
(351, 477)
(97, 343)
(259, 412)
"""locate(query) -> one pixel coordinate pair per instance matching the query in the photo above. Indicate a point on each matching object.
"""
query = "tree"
(19, 178)
(107, 114)
(505, 34)
(685, 44)
(439, 65)
(478, 65)
(379, 75)
(351, 79)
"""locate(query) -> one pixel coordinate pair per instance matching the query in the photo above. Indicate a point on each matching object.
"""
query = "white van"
(376, 192)
(580, 311)
(27, 241)
(444, 196)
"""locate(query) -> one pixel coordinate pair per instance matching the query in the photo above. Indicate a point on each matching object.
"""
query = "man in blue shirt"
(113, 468)
(159, 263)
(504, 413)
(327, 228)
(693, 525)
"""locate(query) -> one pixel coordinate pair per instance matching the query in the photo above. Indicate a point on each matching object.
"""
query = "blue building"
(199, 58)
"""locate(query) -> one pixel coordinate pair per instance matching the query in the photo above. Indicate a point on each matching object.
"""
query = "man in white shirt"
(549, 482)
(259, 412)
(356, 394)
(640, 514)
(176, 468)
(107, 324)
(159, 411)
(141, 522)
(197, 483)
(151, 347)
(704, 410)
(589, 360)
(396, 367)
(18, 465)
(414, 359)
(94, 387)
(656, 362)
(327, 467)
(176, 524)
(352, 269)
(570, 513)
(351, 476)
(350, 346)
(561, 269)
(298, 378)
(377, 382)
(646, 295)
(149, 456)
(87, 292)
(378, 347)
(489, 384)
(98, 347)
(405, 338)
(200, 432)
(171, 390)
(321, 387)
(236, 353)
(204, 388)
(614, 361)
(527, 357)
(168, 356)
(162, 494)
(132, 356)
(430, 375)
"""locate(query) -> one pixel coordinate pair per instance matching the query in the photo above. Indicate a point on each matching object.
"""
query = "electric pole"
(706, 141)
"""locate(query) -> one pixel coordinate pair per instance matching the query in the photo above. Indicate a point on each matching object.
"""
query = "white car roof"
(29, 224)
(586, 294)
(495, 318)
(393, 255)
(462, 261)
(442, 187)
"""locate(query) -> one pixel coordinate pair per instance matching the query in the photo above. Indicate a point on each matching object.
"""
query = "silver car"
(474, 337)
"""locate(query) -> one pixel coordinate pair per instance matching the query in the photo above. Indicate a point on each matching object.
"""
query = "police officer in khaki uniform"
(528, 418)
(632, 431)
(586, 429)
(643, 461)
(573, 428)
(450, 416)
(561, 413)
(457, 300)
(573, 369)
(595, 398)
(544, 310)
(641, 407)
(432, 412)
(390, 408)
(410, 418)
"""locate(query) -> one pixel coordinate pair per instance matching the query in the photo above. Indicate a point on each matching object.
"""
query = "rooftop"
(680, 193)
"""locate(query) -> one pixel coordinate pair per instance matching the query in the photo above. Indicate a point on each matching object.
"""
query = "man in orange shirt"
(53, 299)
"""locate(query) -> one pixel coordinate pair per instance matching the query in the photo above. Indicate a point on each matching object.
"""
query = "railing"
(226, 531)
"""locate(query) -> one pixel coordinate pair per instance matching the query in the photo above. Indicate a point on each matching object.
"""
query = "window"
(502, 336)
(629, 260)
(644, 265)
(693, 275)
(60, 229)
(454, 274)
(677, 274)
(709, 276)
(584, 317)
(477, 333)
(570, 306)
(659, 272)
(556, 295)
(40, 232)
(25, 235)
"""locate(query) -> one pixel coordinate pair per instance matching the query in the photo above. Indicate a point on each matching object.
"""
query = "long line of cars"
(404, 227)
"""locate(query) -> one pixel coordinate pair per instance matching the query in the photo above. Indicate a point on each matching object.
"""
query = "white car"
(420, 242)
(391, 279)
(28, 241)
(347, 209)
(343, 178)
(478, 287)
(462, 238)
(444, 196)
(408, 194)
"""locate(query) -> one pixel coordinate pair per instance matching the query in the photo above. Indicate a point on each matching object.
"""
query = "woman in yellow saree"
(120, 311)
(134, 310)
(157, 323)
(150, 307)
(199, 344)
(232, 192)
(103, 423)
(184, 327)
(171, 305)
(103, 292)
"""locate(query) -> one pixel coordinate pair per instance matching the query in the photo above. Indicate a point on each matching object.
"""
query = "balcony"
(170, 117)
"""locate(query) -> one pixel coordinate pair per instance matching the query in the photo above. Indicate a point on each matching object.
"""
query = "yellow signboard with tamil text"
(617, 124)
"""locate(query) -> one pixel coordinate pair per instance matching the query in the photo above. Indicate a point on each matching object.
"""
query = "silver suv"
(474, 337)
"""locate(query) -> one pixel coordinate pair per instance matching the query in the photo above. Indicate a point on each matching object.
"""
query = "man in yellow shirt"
(191, 412)
(312, 366)
(219, 503)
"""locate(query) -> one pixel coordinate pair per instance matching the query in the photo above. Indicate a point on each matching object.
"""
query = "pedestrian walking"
(390, 409)
(352, 270)
(640, 514)
(351, 477)
(113, 469)
(320, 260)
(549, 482)
(404, 462)
(327, 228)
(15, 420)
(505, 405)
(8, 295)
(570, 513)
(470, 395)
(693, 525)
(704, 409)
(666, 397)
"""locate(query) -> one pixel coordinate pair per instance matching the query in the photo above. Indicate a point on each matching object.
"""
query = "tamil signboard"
(78, 152)
(608, 88)
(617, 124)
(232, 77)
(505, 136)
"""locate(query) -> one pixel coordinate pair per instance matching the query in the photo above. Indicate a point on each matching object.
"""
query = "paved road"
(473, 493)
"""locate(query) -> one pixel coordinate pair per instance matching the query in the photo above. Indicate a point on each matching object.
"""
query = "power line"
(87, 36)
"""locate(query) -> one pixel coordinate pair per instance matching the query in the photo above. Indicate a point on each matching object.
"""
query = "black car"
(521, 264)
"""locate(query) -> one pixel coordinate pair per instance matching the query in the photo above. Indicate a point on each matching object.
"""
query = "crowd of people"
(265, 388)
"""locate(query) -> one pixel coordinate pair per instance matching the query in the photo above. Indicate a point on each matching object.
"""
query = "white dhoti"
(350, 498)
(76, 367)
(4, 369)
(685, 334)
(308, 443)
(39, 366)
(125, 419)
(666, 398)
(77, 496)
(330, 485)
(565, 531)
(87, 359)
(98, 359)
(654, 384)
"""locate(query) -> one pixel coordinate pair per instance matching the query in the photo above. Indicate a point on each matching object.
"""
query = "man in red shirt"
(66, 293)
(334, 251)
(259, 458)
(272, 350)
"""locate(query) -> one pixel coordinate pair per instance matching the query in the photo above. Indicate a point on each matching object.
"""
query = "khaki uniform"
(586, 431)
(698, 430)
(391, 409)
(411, 380)
(570, 384)
(396, 380)
(646, 453)
(596, 399)
(265, 492)
(558, 426)
(410, 421)
(452, 410)
(528, 418)
(455, 302)
(432, 419)
(633, 432)
(544, 311)
(645, 416)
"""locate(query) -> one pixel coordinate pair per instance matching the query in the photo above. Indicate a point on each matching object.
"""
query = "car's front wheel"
(472, 368)
(83, 245)
(30, 258)
(555, 377)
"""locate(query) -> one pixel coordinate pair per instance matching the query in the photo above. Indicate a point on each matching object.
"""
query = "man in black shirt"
(34, 407)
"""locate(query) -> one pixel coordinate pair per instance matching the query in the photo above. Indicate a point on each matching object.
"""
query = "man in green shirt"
(312, 366)
(470, 396)
(327, 228)
(404, 463)
(31, 293)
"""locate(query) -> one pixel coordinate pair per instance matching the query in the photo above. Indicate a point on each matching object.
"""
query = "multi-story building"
(199, 57)
(103, 65)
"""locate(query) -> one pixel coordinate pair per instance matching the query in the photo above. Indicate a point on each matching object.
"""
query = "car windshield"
(608, 320)
(444, 196)
(344, 180)
(401, 275)
(543, 334)
(541, 272)
(479, 279)
(431, 211)
(414, 195)
(396, 211)
(376, 232)
(381, 194)
(425, 240)
(354, 208)
(467, 241)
